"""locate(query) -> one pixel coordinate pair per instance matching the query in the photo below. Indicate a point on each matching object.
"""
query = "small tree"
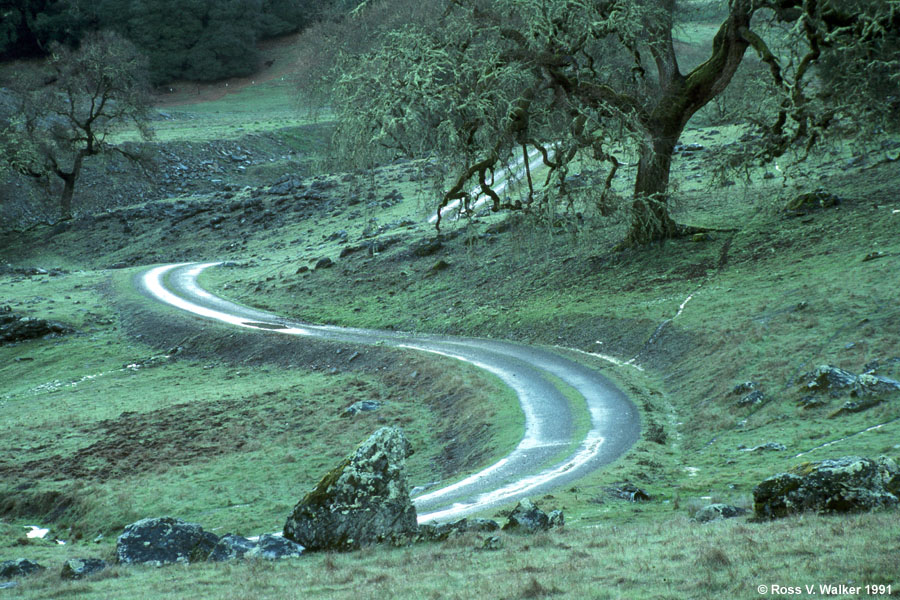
(91, 92)
(496, 79)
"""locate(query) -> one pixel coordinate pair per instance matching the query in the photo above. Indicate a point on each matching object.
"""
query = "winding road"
(533, 467)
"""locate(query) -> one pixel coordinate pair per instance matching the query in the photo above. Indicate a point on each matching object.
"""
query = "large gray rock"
(847, 484)
(164, 540)
(364, 500)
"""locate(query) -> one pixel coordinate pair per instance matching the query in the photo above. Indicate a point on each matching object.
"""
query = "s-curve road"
(539, 462)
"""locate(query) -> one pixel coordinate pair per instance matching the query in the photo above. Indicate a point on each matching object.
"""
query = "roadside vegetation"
(144, 412)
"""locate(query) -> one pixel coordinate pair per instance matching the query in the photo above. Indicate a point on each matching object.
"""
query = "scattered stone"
(847, 484)
(20, 567)
(630, 492)
(767, 447)
(529, 518)
(752, 399)
(361, 406)
(743, 388)
(811, 401)
(15, 328)
(433, 532)
(364, 500)
(715, 512)
(425, 247)
(77, 568)
(495, 542)
(164, 540)
(324, 263)
(874, 255)
(557, 519)
(806, 203)
(440, 265)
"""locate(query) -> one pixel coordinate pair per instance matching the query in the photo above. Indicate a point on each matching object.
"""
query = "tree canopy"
(53, 122)
(192, 39)
(487, 81)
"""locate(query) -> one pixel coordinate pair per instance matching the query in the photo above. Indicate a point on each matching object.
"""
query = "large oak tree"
(486, 81)
(65, 117)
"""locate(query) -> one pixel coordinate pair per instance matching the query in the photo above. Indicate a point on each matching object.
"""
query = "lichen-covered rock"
(230, 547)
(714, 512)
(268, 546)
(529, 518)
(18, 568)
(364, 500)
(77, 568)
(274, 547)
(164, 540)
(847, 484)
(826, 377)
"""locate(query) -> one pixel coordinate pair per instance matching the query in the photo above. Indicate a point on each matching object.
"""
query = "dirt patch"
(136, 443)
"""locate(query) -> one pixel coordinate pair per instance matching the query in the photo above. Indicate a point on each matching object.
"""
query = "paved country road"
(533, 467)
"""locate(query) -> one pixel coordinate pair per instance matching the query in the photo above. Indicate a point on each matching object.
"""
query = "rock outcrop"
(847, 484)
(527, 517)
(364, 500)
(164, 540)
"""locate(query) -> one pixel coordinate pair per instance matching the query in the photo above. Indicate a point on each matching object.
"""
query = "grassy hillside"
(144, 412)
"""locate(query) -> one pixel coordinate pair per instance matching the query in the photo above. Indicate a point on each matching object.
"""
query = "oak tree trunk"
(650, 220)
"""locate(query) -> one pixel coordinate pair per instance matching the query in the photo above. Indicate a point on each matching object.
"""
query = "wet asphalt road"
(534, 467)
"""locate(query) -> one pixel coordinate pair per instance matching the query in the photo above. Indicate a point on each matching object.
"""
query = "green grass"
(669, 557)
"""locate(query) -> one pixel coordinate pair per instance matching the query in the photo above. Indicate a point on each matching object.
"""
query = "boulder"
(230, 547)
(18, 568)
(364, 500)
(274, 547)
(529, 518)
(164, 540)
(847, 484)
(268, 546)
(77, 568)
(714, 512)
